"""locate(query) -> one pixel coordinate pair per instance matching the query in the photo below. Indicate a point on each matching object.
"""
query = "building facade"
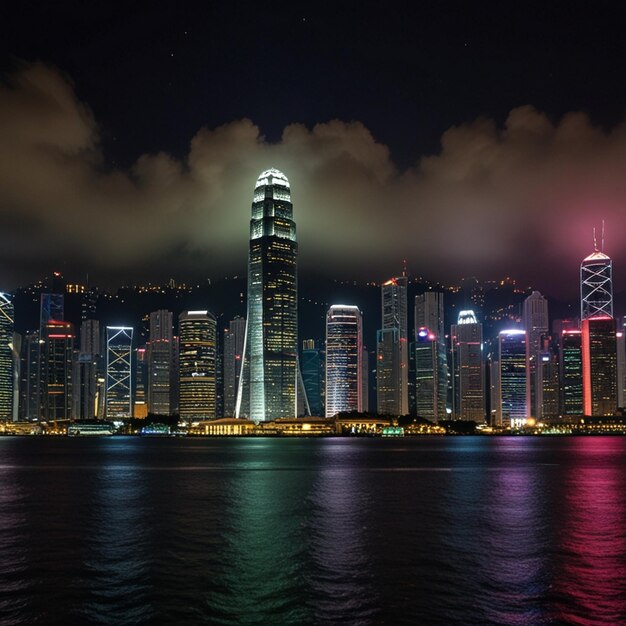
(344, 347)
(119, 370)
(268, 384)
(197, 365)
(468, 368)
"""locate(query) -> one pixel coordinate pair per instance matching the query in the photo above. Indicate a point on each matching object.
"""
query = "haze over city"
(128, 152)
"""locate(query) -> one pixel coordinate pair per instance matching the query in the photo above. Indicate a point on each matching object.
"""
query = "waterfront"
(465, 530)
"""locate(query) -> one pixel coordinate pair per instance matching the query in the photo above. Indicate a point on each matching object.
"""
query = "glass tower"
(6, 358)
(197, 365)
(344, 346)
(119, 402)
(269, 381)
(512, 359)
(596, 286)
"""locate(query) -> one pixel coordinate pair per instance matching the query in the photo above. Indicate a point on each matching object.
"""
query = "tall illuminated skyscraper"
(599, 342)
(570, 373)
(269, 380)
(119, 350)
(56, 382)
(429, 317)
(85, 385)
(468, 368)
(344, 360)
(535, 320)
(599, 352)
(512, 377)
(392, 361)
(160, 362)
(7, 361)
(197, 363)
(596, 286)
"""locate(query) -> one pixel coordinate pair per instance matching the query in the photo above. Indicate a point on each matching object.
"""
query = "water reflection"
(340, 581)
(263, 561)
(116, 540)
(590, 575)
(516, 536)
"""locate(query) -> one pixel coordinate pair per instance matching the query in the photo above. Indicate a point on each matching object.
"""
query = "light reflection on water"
(272, 531)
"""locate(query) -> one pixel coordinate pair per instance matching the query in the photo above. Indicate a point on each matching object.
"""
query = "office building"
(429, 316)
(119, 351)
(160, 362)
(392, 358)
(468, 368)
(599, 361)
(513, 398)
(535, 321)
(7, 359)
(344, 360)
(271, 343)
(197, 365)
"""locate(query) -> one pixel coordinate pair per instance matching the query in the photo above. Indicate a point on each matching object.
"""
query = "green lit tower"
(268, 386)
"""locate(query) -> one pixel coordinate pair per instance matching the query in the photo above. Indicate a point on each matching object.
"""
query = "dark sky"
(471, 138)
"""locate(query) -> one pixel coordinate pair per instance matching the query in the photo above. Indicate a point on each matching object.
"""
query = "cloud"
(519, 199)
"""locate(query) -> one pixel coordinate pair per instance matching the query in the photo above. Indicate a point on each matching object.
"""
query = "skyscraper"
(599, 352)
(7, 362)
(512, 377)
(429, 316)
(311, 365)
(197, 363)
(392, 361)
(535, 320)
(271, 343)
(468, 368)
(86, 379)
(344, 346)
(596, 286)
(119, 350)
(570, 373)
(160, 362)
(56, 382)
(233, 360)
(429, 400)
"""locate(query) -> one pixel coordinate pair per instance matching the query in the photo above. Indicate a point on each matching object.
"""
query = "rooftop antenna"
(602, 249)
(404, 267)
(595, 242)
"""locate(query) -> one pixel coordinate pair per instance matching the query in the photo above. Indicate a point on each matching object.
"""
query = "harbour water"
(448, 530)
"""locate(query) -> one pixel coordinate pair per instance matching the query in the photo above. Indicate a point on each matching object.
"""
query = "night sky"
(469, 138)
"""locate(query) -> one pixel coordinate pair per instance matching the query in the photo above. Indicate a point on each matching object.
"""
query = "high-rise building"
(344, 347)
(119, 350)
(30, 377)
(140, 397)
(392, 360)
(7, 361)
(271, 344)
(512, 377)
(311, 365)
(596, 286)
(197, 365)
(365, 380)
(233, 360)
(429, 398)
(429, 315)
(621, 367)
(160, 362)
(599, 357)
(468, 368)
(87, 364)
(547, 381)
(535, 320)
(56, 382)
(570, 373)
